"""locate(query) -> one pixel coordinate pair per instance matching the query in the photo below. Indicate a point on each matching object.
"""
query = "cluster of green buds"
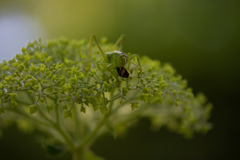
(50, 87)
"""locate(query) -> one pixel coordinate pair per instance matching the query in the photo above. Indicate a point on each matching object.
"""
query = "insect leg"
(113, 73)
(109, 69)
(102, 64)
(139, 64)
(120, 41)
(104, 57)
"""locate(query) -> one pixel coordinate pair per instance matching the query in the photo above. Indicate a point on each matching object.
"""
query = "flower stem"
(78, 155)
(98, 127)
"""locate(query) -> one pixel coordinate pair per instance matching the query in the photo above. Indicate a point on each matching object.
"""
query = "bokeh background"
(200, 38)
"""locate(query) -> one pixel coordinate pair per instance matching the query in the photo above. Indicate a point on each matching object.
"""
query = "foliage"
(50, 88)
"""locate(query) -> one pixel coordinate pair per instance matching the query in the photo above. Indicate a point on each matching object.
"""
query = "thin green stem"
(17, 111)
(114, 98)
(98, 127)
(77, 125)
(94, 132)
(44, 116)
(56, 126)
(66, 138)
(127, 99)
(92, 135)
(61, 132)
(78, 155)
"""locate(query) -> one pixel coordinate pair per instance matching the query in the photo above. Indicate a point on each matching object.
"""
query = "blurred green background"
(200, 38)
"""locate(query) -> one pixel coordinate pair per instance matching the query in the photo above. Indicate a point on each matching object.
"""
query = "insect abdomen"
(122, 72)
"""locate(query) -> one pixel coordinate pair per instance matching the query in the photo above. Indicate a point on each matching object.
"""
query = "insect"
(114, 61)
(122, 72)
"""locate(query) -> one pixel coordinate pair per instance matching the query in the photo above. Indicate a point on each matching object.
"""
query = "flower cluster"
(45, 84)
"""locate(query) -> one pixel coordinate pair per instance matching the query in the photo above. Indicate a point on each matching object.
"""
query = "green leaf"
(67, 114)
(83, 109)
(33, 109)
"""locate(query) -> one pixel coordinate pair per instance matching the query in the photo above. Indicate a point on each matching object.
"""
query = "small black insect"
(122, 72)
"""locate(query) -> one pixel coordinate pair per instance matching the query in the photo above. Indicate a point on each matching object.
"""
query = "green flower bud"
(81, 75)
(24, 50)
(160, 78)
(58, 66)
(73, 70)
(146, 90)
(40, 56)
(41, 100)
(135, 105)
(13, 96)
(8, 78)
(27, 57)
(15, 64)
(48, 59)
(1, 86)
(36, 87)
(19, 57)
(169, 69)
(32, 67)
(153, 75)
(145, 97)
(5, 68)
(85, 91)
(27, 84)
(93, 71)
(174, 92)
(42, 68)
(124, 91)
(107, 87)
(157, 98)
(150, 69)
(163, 84)
(21, 67)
